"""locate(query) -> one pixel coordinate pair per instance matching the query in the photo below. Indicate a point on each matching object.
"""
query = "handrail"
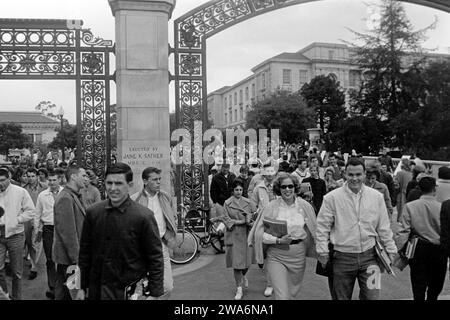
(431, 165)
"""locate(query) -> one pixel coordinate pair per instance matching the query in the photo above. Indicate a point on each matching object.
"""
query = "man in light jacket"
(421, 218)
(16, 208)
(160, 203)
(351, 218)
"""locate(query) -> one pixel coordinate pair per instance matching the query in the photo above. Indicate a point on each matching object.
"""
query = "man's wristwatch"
(277, 241)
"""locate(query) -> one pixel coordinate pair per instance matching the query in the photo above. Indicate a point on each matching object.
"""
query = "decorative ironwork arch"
(62, 50)
(191, 31)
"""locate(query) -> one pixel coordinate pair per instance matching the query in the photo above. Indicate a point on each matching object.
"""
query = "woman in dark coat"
(238, 214)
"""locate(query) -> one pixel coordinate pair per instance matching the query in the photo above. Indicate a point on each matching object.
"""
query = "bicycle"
(188, 241)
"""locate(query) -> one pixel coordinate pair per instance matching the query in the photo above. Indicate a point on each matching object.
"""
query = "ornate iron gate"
(63, 50)
(191, 32)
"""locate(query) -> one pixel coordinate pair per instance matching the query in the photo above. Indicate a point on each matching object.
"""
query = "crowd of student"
(335, 211)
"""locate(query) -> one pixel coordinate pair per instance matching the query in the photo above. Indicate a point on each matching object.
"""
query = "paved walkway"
(215, 282)
(206, 278)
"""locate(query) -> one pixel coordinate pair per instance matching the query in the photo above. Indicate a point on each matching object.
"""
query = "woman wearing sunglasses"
(286, 254)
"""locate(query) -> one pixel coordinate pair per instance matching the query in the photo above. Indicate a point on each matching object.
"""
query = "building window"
(230, 101)
(242, 113)
(235, 98)
(303, 76)
(241, 96)
(226, 118)
(235, 115)
(253, 90)
(246, 93)
(263, 80)
(230, 113)
(225, 101)
(331, 55)
(287, 76)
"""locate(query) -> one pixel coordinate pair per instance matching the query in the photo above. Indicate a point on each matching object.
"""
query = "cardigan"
(255, 237)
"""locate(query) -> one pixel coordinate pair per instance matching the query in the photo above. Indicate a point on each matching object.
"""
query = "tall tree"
(324, 95)
(67, 138)
(285, 111)
(48, 109)
(388, 55)
(11, 137)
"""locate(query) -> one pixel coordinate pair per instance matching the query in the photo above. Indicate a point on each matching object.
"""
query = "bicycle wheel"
(218, 244)
(186, 247)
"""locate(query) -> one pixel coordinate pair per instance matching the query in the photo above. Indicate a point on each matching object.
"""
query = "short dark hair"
(371, 171)
(148, 171)
(44, 171)
(280, 178)
(120, 168)
(70, 171)
(60, 171)
(299, 161)
(52, 173)
(243, 168)
(62, 164)
(427, 184)
(4, 173)
(353, 161)
(32, 170)
(237, 182)
(331, 155)
(444, 173)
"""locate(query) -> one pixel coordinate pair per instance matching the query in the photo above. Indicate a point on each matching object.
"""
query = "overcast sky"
(231, 54)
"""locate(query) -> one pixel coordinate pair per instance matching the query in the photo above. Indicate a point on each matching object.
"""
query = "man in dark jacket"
(69, 215)
(221, 185)
(386, 159)
(318, 187)
(120, 243)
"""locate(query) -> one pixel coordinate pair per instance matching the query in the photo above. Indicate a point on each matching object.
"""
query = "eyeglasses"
(290, 186)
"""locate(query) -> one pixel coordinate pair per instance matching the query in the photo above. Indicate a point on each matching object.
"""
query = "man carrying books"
(428, 262)
(352, 218)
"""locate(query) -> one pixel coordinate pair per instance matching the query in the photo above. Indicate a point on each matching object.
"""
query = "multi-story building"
(227, 107)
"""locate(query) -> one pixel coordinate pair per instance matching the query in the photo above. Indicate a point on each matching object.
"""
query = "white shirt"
(44, 209)
(294, 216)
(155, 206)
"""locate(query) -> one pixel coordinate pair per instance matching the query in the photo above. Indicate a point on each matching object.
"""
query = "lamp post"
(61, 115)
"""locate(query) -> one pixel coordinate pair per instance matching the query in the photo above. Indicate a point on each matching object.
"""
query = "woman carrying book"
(286, 249)
(237, 218)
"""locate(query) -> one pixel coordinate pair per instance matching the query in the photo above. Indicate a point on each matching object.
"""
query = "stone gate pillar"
(142, 78)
